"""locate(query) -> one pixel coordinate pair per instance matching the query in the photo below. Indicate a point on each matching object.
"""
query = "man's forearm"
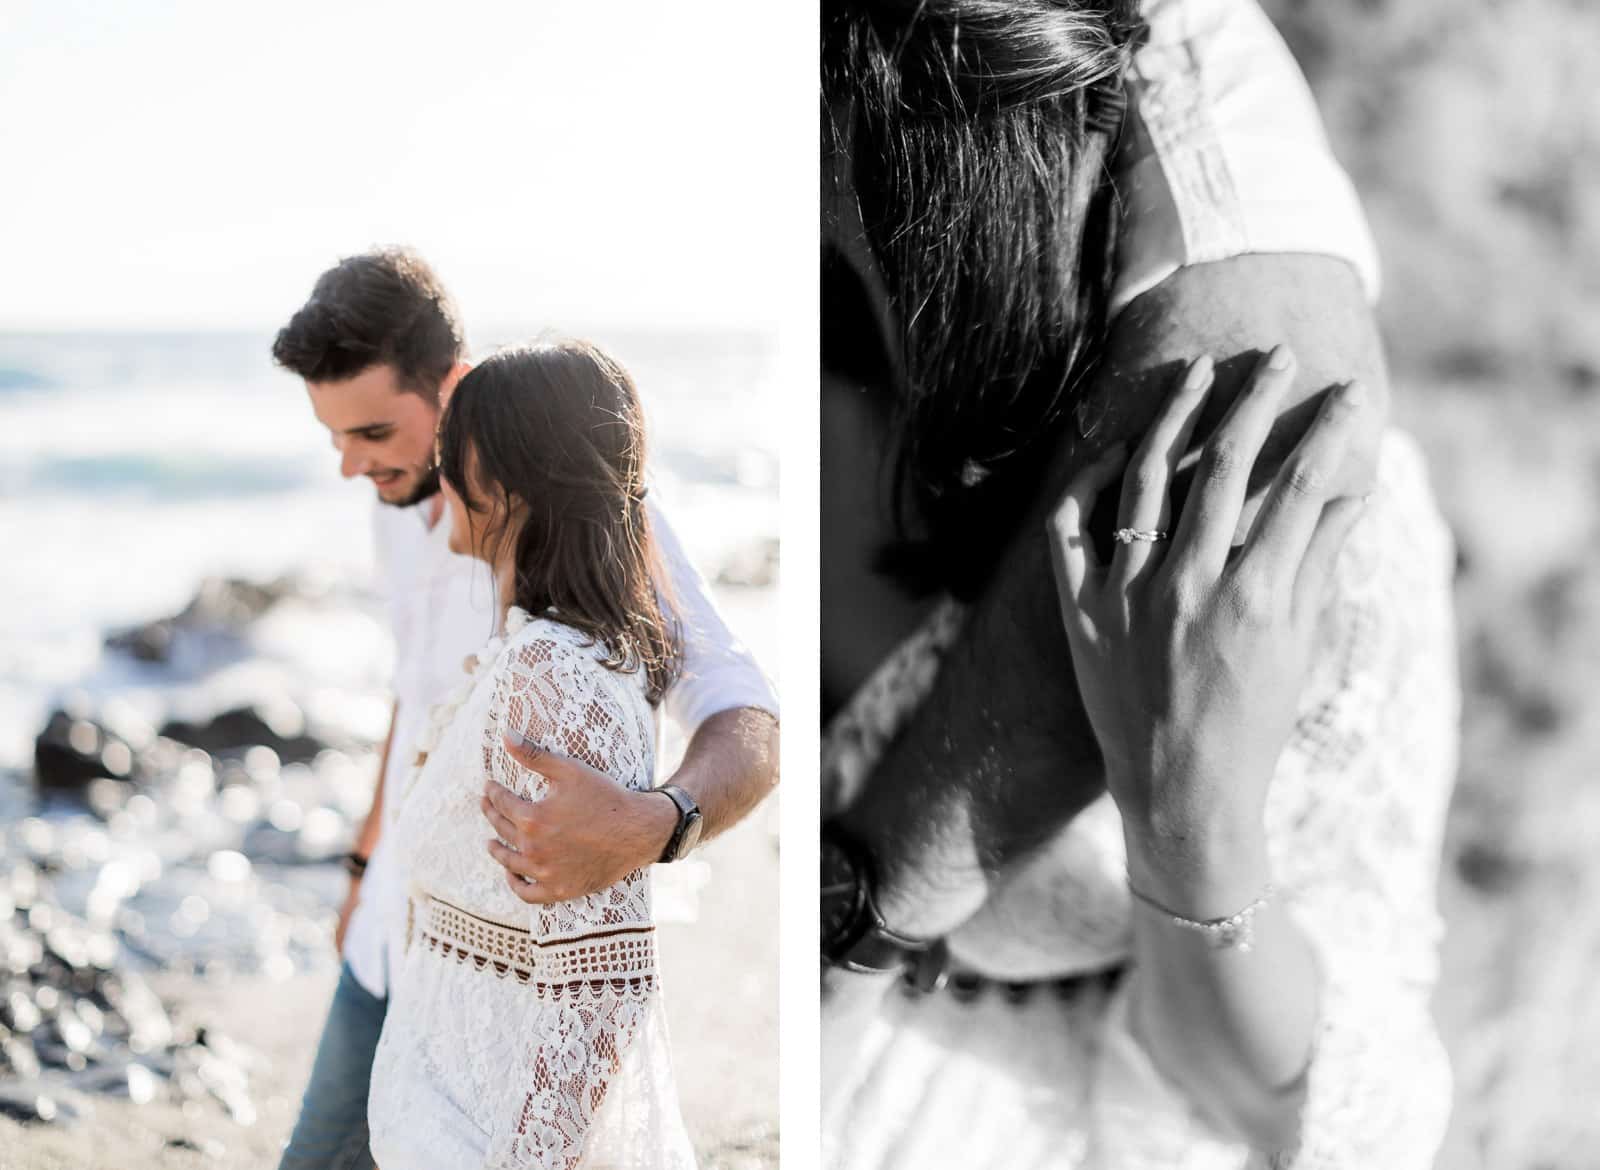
(939, 815)
(1000, 756)
(729, 767)
(1234, 311)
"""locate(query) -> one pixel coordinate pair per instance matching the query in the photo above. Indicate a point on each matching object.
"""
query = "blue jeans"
(332, 1131)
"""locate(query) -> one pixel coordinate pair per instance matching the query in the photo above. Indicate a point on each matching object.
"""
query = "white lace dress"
(517, 1035)
(1051, 1076)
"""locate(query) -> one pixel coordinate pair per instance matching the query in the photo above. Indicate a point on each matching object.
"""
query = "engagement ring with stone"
(1129, 535)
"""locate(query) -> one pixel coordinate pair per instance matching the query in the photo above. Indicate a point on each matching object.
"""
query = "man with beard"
(379, 345)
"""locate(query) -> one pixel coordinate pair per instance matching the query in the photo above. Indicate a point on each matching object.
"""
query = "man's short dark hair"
(384, 307)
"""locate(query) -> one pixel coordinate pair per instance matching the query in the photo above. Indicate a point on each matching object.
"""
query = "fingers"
(523, 751)
(513, 861)
(504, 827)
(554, 769)
(521, 841)
(521, 878)
(558, 770)
(1223, 475)
(525, 877)
(1072, 553)
(1290, 513)
(1146, 502)
(509, 805)
(1311, 584)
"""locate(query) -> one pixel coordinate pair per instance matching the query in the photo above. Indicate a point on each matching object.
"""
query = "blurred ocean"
(134, 465)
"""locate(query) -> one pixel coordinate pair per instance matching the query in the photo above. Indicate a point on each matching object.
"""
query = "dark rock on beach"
(220, 611)
(150, 845)
(280, 728)
(71, 751)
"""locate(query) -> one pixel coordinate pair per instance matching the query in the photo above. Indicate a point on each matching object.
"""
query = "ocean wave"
(21, 379)
(157, 476)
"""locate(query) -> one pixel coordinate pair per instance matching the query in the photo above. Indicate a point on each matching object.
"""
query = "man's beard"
(426, 488)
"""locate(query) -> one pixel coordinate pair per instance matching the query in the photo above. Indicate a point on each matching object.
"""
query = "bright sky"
(194, 164)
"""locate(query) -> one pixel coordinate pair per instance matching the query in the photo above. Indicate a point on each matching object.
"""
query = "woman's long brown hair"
(977, 136)
(555, 431)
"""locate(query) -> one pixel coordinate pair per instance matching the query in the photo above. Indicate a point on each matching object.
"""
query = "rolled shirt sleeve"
(719, 672)
(1225, 154)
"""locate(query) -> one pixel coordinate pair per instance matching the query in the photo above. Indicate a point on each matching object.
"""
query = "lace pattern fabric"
(523, 1036)
(1354, 823)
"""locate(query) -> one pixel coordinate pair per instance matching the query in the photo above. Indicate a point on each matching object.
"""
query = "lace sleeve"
(592, 964)
(1378, 763)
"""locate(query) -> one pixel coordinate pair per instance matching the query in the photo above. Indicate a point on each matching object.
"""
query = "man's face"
(381, 431)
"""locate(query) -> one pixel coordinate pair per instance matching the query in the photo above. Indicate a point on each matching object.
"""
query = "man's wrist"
(926, 885)
(855, 935)
(656, 815)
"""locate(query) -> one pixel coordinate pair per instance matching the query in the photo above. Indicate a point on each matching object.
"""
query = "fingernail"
(1280, 358)
(516, 737)
(1201, 373)
(1354, 393)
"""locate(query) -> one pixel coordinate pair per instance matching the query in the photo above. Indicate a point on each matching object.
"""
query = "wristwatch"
(854, 934)
(687, 835)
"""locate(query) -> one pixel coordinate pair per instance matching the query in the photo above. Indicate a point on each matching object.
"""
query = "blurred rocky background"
(194, 660)
(1473, 133)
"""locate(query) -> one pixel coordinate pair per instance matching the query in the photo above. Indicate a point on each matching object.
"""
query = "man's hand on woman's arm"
(1001, 756)
(589, 832)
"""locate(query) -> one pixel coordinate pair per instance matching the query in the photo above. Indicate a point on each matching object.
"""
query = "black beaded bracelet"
(354, 864)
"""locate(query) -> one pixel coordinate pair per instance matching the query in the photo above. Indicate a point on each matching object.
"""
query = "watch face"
(841, 895)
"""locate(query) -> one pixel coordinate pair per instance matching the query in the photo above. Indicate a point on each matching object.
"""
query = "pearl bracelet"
(1235, 932)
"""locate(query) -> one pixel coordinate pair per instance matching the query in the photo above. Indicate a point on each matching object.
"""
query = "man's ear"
(448, 386)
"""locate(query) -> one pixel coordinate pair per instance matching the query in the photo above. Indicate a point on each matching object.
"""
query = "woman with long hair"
(533, 1035)
(1201, 933)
